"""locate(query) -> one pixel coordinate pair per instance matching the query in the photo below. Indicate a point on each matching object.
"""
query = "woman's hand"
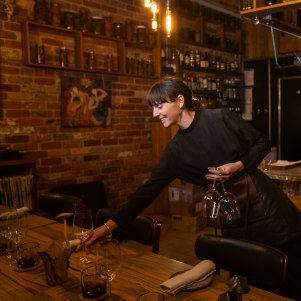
(98, 235)
(224, 172)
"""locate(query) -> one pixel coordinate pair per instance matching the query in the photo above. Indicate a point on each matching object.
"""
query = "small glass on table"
(95, 283)
(27, 255)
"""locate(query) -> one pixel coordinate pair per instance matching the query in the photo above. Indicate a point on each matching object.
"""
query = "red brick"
(16, 139)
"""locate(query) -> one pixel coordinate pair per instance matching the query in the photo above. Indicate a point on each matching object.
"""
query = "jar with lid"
(141, 34)
(69, 19)
(97, 24)
(129, 30)
(40, 11)
(118, 30)
(55, 14)
(84, 20)
(108, 26)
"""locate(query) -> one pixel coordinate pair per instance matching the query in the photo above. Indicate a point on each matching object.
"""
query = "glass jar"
(55, 14)
(63, 57)
(129, 30)
(40, 11)
(108, 26)
(141, 34)
(69, 19)
(40, 54)
(84, 20)
(91, 60)
(118, 30)
(97, 24)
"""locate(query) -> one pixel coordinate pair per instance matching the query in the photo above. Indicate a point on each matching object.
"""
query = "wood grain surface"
(140, 273)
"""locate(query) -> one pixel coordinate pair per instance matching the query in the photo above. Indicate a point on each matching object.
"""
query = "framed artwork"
(84, 102)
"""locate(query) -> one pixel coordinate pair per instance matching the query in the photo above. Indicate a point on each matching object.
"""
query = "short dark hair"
(167, 90)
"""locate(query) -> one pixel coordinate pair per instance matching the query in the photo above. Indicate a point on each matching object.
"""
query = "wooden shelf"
(271, 9)
(81, 42)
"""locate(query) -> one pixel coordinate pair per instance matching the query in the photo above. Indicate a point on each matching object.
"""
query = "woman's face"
(167, 112)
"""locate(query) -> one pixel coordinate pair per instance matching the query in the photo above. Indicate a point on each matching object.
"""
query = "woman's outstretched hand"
(224, 172)
(99, 234)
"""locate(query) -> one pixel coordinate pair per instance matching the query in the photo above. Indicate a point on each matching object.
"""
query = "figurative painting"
(84, 102)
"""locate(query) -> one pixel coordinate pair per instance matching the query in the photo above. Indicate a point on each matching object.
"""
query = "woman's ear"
(181, 101)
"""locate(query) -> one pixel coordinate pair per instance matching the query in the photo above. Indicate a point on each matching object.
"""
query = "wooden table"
(140, 273)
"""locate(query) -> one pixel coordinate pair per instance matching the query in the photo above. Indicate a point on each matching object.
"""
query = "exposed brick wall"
(119, 154)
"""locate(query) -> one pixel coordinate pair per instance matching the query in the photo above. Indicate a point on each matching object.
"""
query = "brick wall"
(119, 154)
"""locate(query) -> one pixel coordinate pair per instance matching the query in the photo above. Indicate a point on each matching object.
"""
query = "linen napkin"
(11, 214)
(199, 276)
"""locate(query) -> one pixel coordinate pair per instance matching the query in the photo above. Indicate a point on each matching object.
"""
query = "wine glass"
(229, 209)
(11, 234)
(211, 202)
(22, 226)
(82, 227)
(109, 255)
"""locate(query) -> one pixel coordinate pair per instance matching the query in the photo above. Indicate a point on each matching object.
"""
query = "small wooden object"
(56, 258)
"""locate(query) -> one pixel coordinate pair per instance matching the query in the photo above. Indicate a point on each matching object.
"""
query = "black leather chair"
(60, 199)
(143, 229)
(53, 204)
(264, 266)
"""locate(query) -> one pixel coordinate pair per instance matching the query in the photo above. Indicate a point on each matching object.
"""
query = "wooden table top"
(140, 273)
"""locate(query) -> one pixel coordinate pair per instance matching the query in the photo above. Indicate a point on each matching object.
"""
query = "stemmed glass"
(82, 227)
(229, 208)
(211, 202)
(109, 254)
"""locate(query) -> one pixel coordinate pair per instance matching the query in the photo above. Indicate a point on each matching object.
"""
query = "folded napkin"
(73, 243)
(199, 276)
(11, 214)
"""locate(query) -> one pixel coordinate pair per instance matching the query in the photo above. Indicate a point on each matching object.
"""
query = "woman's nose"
(155, 112)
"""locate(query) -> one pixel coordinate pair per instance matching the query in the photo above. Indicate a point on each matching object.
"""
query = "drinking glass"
(229, 209)
(27, 255)
(211, 202)
(109, 255)
(95, 282)
(82, 227)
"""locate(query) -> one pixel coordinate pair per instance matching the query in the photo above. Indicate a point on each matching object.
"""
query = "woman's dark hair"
(167, 90)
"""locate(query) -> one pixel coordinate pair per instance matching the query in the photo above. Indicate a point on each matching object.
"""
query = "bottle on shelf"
(187, 58)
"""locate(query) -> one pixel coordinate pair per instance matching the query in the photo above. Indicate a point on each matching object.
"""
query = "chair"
(264, 266)
(64, 198)
(143, 229)
(53, 204)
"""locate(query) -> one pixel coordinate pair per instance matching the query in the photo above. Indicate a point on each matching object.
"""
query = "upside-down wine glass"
(229, 208)
(211, 202)
(82, 227)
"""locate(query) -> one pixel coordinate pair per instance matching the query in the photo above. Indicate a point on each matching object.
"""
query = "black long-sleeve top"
(215, 137)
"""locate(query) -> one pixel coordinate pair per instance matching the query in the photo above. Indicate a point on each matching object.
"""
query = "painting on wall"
(84, 102)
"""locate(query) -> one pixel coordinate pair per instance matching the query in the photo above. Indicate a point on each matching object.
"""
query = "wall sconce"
(8, 7)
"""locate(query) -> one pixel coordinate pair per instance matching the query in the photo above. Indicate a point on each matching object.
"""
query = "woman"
(215, 138)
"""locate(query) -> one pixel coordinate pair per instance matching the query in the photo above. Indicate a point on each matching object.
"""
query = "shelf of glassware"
(270, 9)
(78, 48)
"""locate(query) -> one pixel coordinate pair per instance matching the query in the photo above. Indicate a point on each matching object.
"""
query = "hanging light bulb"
(147, 3)
(154, 7)
(154, 23)
(168, 19)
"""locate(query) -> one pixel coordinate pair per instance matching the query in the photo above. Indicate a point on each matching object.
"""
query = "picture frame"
(84, 103)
